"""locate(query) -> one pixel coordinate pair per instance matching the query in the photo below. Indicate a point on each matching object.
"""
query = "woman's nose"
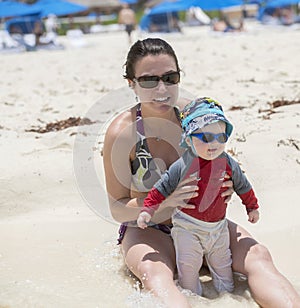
(161, 86)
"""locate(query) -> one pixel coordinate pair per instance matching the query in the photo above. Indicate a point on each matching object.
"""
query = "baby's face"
(213, 149)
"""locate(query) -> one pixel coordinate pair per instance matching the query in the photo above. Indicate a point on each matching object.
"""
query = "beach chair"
(76, 38)
(8, 43)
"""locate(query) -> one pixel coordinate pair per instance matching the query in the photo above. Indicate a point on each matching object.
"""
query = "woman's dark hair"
(141, 49)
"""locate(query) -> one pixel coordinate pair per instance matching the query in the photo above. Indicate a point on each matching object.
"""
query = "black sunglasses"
(148, 82)
(210, 137)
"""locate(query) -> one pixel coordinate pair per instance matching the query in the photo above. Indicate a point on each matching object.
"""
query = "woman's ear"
(131, 83)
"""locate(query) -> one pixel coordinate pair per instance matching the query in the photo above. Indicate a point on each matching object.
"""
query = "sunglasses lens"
(222, 138)
(148, 82)
(207, 137)
(210, 137)
(172, 78)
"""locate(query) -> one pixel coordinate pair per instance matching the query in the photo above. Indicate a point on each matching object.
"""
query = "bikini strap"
(140, 131)
(177, 113)
(139, 121)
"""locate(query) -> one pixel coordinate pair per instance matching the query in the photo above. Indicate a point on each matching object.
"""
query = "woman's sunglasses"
(210, 137)
(149, 82)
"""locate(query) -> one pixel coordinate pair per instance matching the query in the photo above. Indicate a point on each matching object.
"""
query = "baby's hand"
(253, 216)
(143, 219)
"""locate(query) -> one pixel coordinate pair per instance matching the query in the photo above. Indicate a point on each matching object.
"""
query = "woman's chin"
(158, 107)
(162, 107)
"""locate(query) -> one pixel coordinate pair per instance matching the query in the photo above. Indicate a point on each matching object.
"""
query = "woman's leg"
(149, 254)
(269, 288)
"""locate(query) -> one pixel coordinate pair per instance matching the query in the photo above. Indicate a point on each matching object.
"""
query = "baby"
(202, 230)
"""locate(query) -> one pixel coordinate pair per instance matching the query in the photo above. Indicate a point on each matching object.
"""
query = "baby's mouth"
(211, 151)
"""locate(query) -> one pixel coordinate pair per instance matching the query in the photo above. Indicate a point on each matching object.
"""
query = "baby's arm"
(250, 201)
(245, 191)
(253, 216)
(143, 220)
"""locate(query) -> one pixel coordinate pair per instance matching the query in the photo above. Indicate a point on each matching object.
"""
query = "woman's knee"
(153, 274)
(249, 256)
(257, 256)
(260, 253)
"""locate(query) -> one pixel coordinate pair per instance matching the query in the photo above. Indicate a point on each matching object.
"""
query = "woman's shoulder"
(121, 125)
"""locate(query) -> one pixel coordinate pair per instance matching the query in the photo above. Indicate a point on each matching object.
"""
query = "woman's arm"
(118, 144)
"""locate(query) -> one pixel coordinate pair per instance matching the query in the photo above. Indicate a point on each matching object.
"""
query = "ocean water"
(101, 279)
(74, 270)
(136, 296)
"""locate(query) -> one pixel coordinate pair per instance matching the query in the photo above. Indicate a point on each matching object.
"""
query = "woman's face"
(163, 95)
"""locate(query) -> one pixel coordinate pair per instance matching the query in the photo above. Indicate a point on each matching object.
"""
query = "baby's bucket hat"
(199, 113)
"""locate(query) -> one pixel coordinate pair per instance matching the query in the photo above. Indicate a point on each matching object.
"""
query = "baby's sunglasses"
(149, 82)
(210, 137)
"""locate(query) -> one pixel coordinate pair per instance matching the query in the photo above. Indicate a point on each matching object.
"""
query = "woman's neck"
(164, 113)
(164, 126)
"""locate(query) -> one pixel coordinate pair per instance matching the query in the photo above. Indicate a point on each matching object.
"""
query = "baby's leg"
(189, 258)
(219, 262)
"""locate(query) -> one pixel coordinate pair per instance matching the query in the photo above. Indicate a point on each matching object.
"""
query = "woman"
(141, 143)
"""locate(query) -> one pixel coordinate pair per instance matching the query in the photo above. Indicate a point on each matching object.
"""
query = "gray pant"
(194, 239)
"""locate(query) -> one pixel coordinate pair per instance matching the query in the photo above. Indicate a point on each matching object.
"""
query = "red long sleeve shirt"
(209, 205)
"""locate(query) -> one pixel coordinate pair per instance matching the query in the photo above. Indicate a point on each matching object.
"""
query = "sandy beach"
(58, 242)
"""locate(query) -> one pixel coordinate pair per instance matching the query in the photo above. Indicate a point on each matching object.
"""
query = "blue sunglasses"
(210, 137)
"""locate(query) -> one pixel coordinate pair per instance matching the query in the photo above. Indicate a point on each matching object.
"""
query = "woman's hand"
(184, 192)
(229, 192)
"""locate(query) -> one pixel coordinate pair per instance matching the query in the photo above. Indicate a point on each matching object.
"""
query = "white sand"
(54, 250)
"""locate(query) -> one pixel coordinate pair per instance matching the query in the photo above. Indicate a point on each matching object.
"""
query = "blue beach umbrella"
(160, 13)
(129, 1)
(58, 7)
(169, 6)
(211, 5)
(280, 3)
(269, 7)
(182, 5)
(15, 9)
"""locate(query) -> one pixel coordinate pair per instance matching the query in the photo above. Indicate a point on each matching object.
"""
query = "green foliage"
(139, 14)
(182, 15)
(213, 14)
